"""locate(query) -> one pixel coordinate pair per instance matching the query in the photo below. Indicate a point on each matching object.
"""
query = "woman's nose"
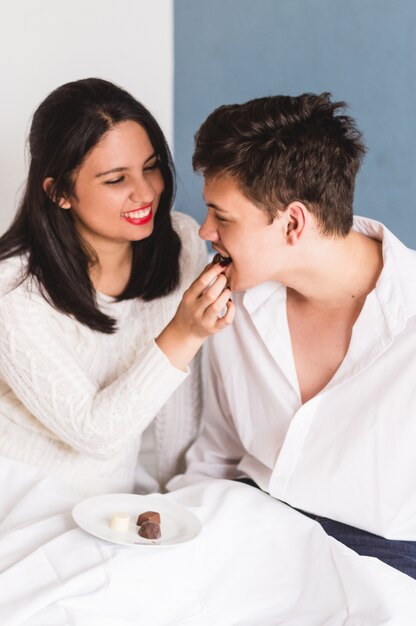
(142, 192)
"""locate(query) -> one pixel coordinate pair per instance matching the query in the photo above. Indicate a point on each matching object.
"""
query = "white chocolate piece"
(120, 522)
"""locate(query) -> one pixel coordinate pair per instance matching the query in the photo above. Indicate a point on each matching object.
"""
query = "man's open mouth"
(222, 260)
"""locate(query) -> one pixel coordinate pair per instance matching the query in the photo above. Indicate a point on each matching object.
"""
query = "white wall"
(45, 43)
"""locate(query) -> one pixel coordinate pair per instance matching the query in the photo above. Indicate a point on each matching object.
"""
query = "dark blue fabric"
(399, 554)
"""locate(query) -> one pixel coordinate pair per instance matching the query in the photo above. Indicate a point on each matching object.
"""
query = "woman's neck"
(111, 273)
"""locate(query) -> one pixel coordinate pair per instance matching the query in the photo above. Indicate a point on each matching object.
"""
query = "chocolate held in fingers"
(222, 260)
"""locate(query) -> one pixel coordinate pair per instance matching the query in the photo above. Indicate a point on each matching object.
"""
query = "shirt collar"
(256, 296)
(395, 287)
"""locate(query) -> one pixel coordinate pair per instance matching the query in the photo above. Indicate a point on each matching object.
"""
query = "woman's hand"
(199, 315)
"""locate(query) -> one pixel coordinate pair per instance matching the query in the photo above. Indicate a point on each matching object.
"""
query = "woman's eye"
(115, 181)
(152, 166)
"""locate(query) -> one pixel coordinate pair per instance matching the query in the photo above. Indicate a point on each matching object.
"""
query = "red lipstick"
(138, 221)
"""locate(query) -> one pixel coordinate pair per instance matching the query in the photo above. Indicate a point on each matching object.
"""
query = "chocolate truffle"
(150, 530)
(148, 516)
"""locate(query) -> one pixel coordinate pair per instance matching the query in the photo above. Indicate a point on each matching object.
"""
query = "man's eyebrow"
(216, 207)
(116, 170)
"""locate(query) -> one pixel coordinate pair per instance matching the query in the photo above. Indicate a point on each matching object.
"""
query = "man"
(310, 394)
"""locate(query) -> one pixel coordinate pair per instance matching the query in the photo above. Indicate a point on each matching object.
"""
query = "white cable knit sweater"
(75, 401)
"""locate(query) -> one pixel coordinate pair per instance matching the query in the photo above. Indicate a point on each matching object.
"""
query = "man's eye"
(220, 219)
(115, 181)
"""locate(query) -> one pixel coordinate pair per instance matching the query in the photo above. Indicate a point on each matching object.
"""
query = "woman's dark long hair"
(65, 128)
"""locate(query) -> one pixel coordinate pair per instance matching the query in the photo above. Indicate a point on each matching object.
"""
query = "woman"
(92, 271)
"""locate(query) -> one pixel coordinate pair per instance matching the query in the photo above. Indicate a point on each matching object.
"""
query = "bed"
(255, 562)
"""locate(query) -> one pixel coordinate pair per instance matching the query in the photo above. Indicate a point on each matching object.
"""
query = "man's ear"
(48, 189)
(296, 213)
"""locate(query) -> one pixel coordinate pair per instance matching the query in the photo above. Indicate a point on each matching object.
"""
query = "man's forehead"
(221, 186)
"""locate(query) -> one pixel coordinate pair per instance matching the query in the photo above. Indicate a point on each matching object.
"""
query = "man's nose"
(208, 231)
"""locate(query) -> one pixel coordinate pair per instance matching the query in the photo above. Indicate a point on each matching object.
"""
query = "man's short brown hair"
(280, 149)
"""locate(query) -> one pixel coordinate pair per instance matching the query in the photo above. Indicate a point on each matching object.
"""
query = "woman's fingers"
(218, 309)
(206, 306)
(226, 317)
(229, 316)
(212, 293)
(204, 280)
(205, 309)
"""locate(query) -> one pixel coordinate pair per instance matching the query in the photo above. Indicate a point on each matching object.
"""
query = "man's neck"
(337, 272)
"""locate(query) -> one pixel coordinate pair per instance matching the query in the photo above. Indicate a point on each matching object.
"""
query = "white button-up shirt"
(349, 453)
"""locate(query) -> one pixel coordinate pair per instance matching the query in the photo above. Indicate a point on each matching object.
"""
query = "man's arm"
(217, 450)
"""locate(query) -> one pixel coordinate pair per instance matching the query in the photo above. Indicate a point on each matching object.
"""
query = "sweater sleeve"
(38, 365)
(194, 255)
(177, 424)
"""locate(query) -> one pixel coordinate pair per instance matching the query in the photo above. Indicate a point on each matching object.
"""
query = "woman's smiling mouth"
(138, 216)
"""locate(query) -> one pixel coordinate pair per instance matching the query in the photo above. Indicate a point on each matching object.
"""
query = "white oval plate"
(177, 524)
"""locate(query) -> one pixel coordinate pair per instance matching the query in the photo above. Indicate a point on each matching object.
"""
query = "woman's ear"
(48, 189)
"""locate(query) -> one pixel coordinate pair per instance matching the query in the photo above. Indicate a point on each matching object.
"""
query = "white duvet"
(257, 562)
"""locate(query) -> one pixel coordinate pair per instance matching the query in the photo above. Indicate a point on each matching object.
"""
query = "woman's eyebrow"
(112, 171)
(151, 157)
(123, 168)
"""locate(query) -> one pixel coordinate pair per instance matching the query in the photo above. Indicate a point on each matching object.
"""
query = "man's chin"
(237, 285)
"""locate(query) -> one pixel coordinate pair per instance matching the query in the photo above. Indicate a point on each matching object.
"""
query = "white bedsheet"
(256, 562)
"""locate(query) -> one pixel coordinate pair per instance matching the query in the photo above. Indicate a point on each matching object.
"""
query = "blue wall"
(362, 51)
